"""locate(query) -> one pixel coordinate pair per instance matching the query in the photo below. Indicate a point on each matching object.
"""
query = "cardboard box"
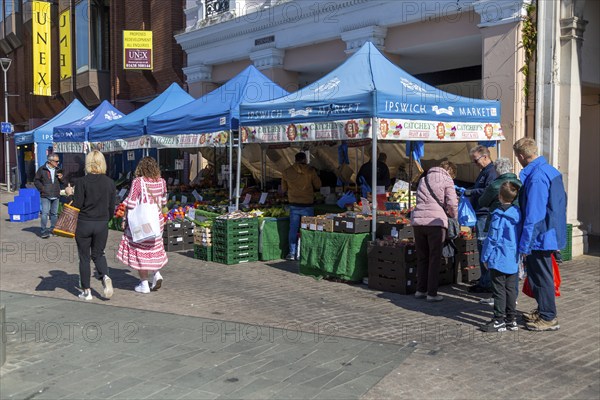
(446, 277)
(309, 223)
(351, 225)
(385, 284)
(175, 246)
(398, 255)
(467, 259)
(470, 274)
(465, 245)
(324, 224)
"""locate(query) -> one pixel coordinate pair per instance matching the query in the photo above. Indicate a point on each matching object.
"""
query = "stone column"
(569, 116)
(503, 57)
(356, 38)
(199, 79)
(269, 61)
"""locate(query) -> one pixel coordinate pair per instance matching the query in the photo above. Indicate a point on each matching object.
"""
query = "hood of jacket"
(509, 212)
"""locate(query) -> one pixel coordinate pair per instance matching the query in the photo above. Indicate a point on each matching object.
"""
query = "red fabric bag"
(556, 272)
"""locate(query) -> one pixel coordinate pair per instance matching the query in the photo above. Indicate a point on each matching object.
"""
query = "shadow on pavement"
(458, 305)
(121, 279)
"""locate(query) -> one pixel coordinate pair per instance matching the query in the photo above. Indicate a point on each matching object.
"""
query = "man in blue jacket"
(480, 156)
(544, 206)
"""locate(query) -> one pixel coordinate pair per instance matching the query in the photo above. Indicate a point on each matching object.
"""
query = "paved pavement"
(261, 330)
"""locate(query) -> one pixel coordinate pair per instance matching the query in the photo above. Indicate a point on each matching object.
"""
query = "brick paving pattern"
(448, 358)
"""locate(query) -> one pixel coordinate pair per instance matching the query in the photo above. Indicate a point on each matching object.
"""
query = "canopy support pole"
(373, 180)
(263, 169)
(498, 147)
(410, 173)
(230, 177)
(238, 174)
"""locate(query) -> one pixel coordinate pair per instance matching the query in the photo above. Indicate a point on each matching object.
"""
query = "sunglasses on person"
(478, 158)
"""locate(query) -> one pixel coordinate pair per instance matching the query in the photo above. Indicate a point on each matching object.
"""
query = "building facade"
(472, 48)
(86, 58)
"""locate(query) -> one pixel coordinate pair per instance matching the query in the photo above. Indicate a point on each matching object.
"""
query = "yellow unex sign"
(137, 49)
(41, 33)
(64, 43)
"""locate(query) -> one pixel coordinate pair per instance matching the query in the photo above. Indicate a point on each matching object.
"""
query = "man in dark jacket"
(544, 206)
(47, 181)
(480, 156)
(383, 172)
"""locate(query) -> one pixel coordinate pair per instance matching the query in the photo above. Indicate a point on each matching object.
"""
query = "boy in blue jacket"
(500, 255)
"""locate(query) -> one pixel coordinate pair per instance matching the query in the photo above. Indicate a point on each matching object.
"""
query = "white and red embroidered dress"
(148, 255)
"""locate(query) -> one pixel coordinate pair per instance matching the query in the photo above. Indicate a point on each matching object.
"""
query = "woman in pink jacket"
(430, 222)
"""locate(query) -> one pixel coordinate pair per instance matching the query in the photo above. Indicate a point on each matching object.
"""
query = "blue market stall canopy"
(208, 121)
(44, 132)
(72, 137)
(127, 133)
(367, 85)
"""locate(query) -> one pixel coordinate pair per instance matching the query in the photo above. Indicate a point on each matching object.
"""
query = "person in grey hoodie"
(430, 223)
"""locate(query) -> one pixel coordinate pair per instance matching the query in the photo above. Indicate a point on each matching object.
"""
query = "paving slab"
(261, 330)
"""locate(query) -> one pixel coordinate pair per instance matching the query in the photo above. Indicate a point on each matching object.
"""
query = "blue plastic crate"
(18, 208)
(34, 215)
(19, 217)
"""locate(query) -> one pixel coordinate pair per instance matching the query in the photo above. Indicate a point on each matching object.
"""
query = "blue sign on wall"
(6, 127)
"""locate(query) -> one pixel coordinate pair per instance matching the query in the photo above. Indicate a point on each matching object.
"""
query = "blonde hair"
(95, 163)
(526, 147)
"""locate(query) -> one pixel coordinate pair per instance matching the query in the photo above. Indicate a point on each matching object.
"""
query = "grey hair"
(503, 166)
(481, 150)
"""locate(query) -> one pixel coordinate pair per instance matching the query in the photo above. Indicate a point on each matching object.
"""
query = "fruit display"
(120, 210)
(403, 196)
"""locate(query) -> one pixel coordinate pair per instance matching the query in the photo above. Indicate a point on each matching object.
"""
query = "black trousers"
(428, 243)
(505, 288)
(91, 237)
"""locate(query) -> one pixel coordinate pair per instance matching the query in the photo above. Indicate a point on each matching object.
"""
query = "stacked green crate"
(203, 252)
(567, 252)
(235, 240)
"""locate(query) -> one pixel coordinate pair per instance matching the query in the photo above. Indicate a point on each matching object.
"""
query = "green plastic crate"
(231, 225)
(567, 252)
(247, 235)
(203, 253)
(235, 247)
(235, 257)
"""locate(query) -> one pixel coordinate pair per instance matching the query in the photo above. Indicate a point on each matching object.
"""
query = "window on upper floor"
(99, 36)
(82, 35)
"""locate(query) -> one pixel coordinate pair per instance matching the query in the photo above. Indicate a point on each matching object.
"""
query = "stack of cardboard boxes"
(467, 260)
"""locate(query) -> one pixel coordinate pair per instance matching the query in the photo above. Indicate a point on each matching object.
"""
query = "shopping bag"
(347, 198)
(466, 213)
(66, 225)
(143, 220)
(528, 291)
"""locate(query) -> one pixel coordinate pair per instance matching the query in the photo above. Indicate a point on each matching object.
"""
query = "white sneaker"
(108, 288)
(434, 298)
(489, 302)
(156, 281)
(142, 287)
(85, 295)
(420, 295)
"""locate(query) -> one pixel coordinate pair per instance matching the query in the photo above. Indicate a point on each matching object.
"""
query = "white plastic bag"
(143, 219)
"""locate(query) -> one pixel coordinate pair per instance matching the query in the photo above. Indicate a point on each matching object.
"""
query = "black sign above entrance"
(264, 40)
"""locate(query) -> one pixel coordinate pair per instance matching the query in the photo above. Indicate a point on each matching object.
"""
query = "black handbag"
(453, 225)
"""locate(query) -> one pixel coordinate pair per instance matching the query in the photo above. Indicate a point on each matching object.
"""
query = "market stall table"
(334, 255)
(274, 242)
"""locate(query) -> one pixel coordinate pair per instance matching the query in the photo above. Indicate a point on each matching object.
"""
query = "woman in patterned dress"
(147, 255)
